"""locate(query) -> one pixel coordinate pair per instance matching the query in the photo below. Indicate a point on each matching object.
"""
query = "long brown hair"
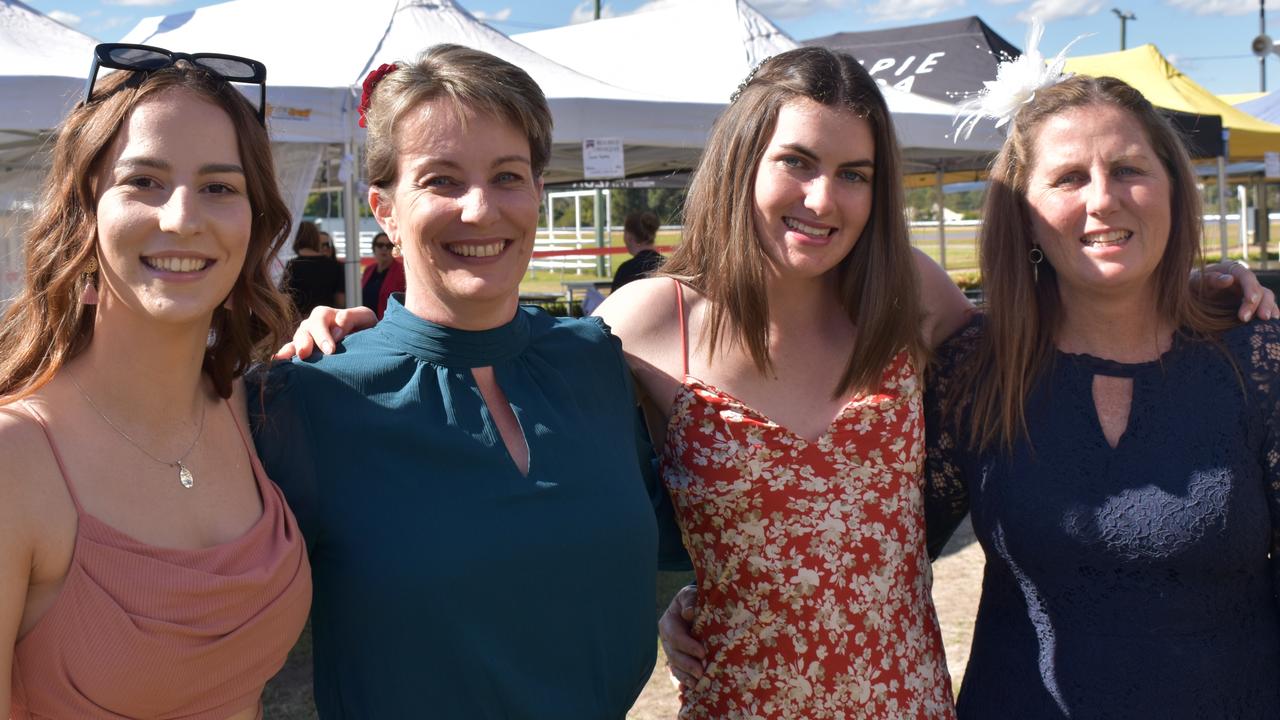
(46, 326)
(1023, 314)
(722, 256)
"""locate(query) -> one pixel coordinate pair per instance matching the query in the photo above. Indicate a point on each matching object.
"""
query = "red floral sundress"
(813, 580)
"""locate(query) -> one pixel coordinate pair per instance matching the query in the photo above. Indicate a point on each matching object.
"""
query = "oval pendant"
(185, 476)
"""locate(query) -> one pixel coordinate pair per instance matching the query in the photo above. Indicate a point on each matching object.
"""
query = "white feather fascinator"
(1015, 85)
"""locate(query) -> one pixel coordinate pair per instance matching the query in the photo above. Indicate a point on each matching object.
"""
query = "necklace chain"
(184, 474)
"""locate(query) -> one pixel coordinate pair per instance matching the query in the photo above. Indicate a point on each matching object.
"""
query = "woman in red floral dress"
(782, 369)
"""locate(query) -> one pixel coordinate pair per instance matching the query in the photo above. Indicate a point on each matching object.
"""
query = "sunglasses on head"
(144, 58)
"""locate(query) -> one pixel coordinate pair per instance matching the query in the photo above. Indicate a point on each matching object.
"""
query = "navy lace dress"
(1131, 582)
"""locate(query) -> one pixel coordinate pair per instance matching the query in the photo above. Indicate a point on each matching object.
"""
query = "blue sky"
(1207, 39)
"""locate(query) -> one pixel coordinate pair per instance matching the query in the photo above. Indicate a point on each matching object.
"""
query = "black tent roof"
(949, 61)
(943, 60)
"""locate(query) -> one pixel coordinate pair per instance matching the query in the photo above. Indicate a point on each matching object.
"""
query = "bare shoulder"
(945, 309)
(639, 307)
(645, 315)
(31, 485)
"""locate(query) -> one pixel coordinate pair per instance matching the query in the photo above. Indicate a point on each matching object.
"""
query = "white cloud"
(910, 9)
(63, 17)
(585, 12)
(1215, 7)
(496, 16)
(1050, 10)
(140, 3)
(783, 9)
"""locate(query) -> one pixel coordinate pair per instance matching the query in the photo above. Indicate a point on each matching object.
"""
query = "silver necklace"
(184, 474)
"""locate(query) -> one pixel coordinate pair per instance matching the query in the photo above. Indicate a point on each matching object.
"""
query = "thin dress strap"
(35, 415)
(684, 331)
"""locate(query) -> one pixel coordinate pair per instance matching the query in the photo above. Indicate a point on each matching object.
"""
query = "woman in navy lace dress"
(1114, 436)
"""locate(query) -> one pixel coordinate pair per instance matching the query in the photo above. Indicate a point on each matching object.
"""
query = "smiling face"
(1100, 200)
(812, 189)
(463, 210)
(174, 218)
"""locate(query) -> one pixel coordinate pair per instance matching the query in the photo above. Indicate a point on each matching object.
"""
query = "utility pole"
(1125, 16)
(1262, 59)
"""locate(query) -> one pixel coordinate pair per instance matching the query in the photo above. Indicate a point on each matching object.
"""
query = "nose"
(1101, 194)
(180, 213)
(817, 195)
(478, 205)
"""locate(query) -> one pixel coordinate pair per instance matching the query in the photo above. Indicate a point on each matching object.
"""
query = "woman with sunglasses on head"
(383, 277)
(148, 568)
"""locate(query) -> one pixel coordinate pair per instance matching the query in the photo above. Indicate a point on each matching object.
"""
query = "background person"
(1115, 436)
(148, 567)
(327, 246)
(383, 277)
(638, 231)
(504, 523)
(313, 277)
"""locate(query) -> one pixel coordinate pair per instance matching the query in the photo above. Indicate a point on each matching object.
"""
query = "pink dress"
(139, 631)
(813, 580)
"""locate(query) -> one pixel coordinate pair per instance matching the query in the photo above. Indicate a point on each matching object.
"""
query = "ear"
(384, 213)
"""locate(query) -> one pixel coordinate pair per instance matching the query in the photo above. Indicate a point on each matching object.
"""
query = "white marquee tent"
(313, 88)
(701, 50)
(42, 69)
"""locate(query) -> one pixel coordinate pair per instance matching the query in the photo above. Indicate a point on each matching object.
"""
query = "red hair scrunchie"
(370, 82)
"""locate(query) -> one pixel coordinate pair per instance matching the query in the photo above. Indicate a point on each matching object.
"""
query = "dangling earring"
(1036, 256)
(89, 295)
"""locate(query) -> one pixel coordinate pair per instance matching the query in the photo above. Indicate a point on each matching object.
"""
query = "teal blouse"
(446, 583)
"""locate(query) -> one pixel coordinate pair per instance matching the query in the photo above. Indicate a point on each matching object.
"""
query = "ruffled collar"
(1095, 365)
(451, 347)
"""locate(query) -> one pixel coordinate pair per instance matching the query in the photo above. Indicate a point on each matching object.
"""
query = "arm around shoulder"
(946, 309)
(280, 421)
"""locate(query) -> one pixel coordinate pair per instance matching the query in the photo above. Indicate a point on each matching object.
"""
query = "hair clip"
(1016, 84)
(370, 82)
(750, 76)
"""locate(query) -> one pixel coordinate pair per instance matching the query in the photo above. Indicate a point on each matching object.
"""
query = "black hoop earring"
(1036, 256)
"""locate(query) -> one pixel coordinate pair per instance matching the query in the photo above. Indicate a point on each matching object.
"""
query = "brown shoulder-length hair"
(469, 79)
(46, 325)
(722, 256)
(1023, 314)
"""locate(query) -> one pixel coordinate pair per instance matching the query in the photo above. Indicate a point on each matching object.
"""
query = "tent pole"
(1242, 192)
(1222, 205)
(942, 224)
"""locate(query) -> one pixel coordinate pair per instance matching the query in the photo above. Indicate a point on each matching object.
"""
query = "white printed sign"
(602, 158)
(1272, 162)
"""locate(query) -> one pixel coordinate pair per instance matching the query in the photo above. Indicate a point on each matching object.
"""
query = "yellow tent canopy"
(1237, 98)
(1165, 86)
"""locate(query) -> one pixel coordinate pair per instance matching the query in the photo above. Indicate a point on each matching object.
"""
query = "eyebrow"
(802, 150)
(428, 162)
(158, 164)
